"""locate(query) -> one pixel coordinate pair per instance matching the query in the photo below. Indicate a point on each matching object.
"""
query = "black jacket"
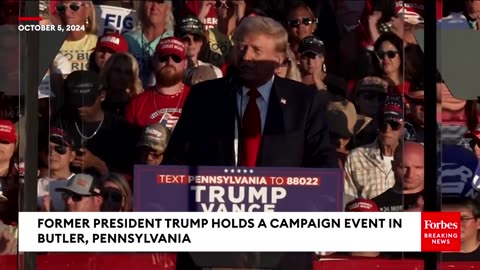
(295, 132)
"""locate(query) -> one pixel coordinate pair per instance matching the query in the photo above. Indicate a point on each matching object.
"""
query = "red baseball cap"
(8, 132)
(362, 205)
(113, 41)
(171, 45)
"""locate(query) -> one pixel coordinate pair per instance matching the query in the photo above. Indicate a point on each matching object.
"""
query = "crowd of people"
(323, 84)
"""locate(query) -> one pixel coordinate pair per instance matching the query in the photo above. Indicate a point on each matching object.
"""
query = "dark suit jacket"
(295, 132)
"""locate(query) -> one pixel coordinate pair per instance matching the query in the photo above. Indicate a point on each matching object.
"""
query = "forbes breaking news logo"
(440, 231)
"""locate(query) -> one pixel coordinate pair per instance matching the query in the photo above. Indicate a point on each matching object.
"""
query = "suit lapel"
(275, 120)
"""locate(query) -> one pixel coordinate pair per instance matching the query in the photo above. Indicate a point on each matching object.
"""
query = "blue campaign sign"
(459, 167)
(115, 19)
(234, 189)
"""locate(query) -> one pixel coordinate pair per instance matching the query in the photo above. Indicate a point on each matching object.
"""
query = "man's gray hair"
(263, 25)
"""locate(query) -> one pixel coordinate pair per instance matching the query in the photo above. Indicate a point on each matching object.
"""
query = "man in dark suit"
(254, 118)
(222, 126)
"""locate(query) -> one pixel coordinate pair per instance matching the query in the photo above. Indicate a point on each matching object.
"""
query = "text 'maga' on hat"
(171, 46)
(112, 41)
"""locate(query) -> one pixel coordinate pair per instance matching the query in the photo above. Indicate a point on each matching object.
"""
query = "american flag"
(169, 120)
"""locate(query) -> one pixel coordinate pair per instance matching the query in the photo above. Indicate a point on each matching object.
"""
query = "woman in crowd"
(191, 30)
(312, 62)
(301, 23)
(156, 22)
(117, 194)
(289, 68)
(390, 52)
(107, 45)
(82, 38)
(121, 81)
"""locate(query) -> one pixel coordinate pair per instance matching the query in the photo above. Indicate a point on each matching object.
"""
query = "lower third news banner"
(233, 189)
(238, 232)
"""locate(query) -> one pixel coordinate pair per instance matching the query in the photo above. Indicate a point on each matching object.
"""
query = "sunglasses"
(60, 149)
(304, 21)
(75, 197)
(112, 194)
(222, 3)
(61, 8)
(389, 54)
(192, 38)
(395, 126)
(175, 58)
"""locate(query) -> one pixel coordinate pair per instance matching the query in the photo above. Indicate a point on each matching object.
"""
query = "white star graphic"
(239, 171)
(245, 171)
(226, 170)
(251, 171)
(232, 171)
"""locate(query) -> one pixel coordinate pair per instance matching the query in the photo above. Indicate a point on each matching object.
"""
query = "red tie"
(251, 130)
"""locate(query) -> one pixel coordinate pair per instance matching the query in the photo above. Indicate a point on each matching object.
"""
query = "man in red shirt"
(163, 102)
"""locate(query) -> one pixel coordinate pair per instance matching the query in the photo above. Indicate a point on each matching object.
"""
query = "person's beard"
(166, 77)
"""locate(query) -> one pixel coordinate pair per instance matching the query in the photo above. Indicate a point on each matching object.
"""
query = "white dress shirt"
(262, 103)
